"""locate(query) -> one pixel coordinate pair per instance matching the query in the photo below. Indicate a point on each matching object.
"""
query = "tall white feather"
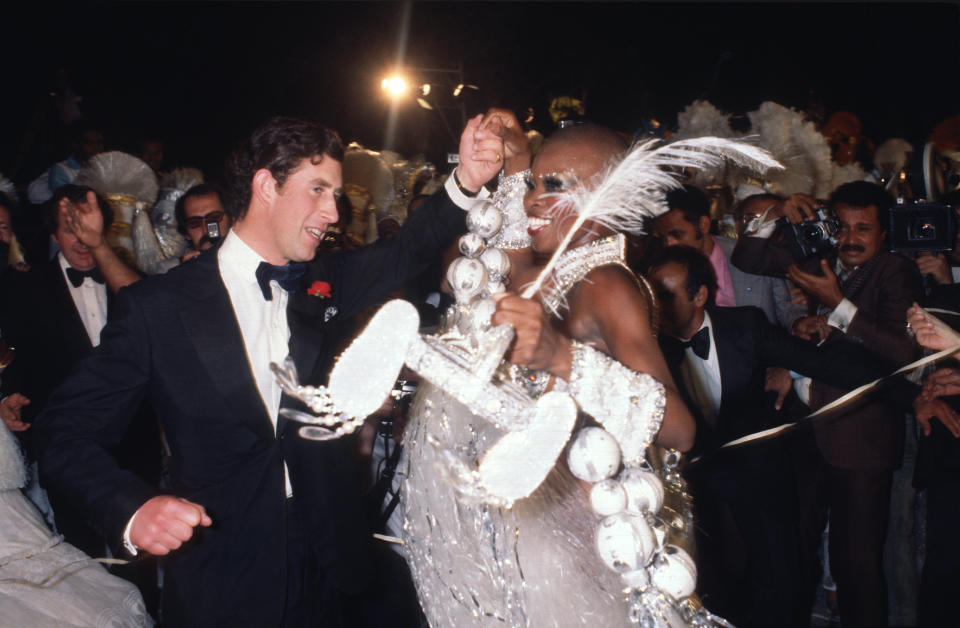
(633, 190)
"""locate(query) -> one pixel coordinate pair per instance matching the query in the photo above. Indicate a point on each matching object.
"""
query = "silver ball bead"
(471, 245)
(644, 491)
(676, 574)
(467, 277)
(484, 219)
(625, 542)
(594, 455)
(607, 498)
(497, 263)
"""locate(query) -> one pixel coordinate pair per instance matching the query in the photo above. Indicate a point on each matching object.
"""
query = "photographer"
(846, 466)
(942, 269)
(201, 218)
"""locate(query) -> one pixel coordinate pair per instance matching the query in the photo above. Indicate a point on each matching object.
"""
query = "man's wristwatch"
(460, 187)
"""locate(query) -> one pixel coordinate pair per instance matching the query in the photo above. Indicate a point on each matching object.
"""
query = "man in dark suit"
(745, 505)
(272, 524)
(54, 315)
(846, 466)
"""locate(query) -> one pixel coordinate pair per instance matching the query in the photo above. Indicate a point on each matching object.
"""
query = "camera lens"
(811, 233)
(924, 230)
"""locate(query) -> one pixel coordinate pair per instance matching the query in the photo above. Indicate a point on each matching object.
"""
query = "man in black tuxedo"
(745, 504)
(271, 524)
(54, 315)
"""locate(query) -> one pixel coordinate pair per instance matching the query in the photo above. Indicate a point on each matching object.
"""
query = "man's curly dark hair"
(279, 145)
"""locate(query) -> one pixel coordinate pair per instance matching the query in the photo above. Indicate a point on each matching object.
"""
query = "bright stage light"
(394, 85)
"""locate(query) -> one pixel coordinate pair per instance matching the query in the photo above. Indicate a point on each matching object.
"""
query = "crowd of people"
(141, 310)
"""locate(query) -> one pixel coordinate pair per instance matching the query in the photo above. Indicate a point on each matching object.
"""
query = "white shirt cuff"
(842, 315)
(460, 199)
(801, 386)
(955, 273)
(127, 543)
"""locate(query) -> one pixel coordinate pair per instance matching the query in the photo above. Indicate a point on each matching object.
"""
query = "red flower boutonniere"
(319, 289)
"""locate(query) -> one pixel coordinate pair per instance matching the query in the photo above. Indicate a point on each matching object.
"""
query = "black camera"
(922, 227)
(213, 231)
(811, 238)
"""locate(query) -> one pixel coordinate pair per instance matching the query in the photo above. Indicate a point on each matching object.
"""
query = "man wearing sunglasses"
(201, 218)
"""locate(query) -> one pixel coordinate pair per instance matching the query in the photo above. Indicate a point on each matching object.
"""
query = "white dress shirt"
(263, 327)
(702, 377)
(90, 299)
(263, 324)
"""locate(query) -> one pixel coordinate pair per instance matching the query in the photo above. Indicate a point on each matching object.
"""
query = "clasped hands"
(481, 155)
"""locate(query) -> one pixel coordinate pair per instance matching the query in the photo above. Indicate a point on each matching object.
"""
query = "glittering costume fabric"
(536, 563)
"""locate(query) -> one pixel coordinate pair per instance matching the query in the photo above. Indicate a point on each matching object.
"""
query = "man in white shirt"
(54, 315)
(273, 523)
(746, 506)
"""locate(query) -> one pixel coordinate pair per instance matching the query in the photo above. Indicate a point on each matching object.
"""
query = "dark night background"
(200, 76)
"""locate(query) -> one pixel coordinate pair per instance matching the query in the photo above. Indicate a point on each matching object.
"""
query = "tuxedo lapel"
(211, 326)
(732, 356)
(305, 322)
(64, 310)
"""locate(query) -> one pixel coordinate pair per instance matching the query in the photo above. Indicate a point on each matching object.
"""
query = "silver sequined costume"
(536, 563)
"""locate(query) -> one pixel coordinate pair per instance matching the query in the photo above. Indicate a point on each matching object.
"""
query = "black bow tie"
(76, 277)
(287, 276)
(700, 343)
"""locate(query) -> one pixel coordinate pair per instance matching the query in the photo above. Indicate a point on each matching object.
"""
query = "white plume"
(119, 173)
(633, 190)
(7, 187)
(702, 119)
(797, 144)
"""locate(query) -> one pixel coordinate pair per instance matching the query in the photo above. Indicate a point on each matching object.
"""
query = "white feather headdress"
(117, 173)
(631, 191)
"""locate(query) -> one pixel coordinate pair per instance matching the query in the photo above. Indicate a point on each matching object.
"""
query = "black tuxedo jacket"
(747, 343)
(42, 322)
(175, 339)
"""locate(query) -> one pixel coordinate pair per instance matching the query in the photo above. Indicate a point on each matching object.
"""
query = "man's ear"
(700, 298)
(264, 188)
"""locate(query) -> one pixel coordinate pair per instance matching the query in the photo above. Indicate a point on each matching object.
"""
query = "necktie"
(76, 277)
(700, 343)
(287, 276)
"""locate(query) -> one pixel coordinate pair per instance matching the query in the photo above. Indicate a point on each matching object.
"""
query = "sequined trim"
(633, 417)
(574, 265)
(509, 200)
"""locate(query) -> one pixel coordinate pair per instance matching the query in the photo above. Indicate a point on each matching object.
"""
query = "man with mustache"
(845, 467)
(200, 205)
